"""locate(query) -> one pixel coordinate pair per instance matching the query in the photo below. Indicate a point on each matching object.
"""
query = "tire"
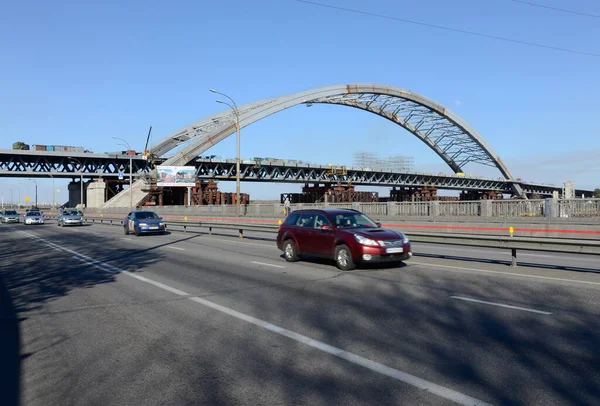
(136, 231)
(126, 230)
(343, 258)
(290, 253)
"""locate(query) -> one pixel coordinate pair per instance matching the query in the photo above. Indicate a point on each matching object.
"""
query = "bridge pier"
(75, 193)
(96, 192)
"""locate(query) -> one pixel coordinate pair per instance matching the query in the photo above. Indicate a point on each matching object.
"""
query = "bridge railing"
(550, 208)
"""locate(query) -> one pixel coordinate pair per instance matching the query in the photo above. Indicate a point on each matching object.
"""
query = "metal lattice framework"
(322, 174)
(62, 165)
(441, 130)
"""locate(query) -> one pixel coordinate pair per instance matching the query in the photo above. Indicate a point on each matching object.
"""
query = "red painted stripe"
(516, 229)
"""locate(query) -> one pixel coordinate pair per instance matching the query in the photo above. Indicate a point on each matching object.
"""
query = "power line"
(440, 27)
(556, 8)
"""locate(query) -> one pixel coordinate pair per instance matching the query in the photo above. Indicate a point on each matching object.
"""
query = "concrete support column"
(75, 193)
(96, 192)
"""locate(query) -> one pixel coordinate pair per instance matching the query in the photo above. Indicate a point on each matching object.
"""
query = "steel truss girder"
(250, 172)
(45, 165)
(444, 132)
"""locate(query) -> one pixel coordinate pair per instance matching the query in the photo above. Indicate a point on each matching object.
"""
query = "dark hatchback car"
(346, 236)
(142, 222)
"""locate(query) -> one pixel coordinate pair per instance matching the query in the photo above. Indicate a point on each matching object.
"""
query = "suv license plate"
(394, 250)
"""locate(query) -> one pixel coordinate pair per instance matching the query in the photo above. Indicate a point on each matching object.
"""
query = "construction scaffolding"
(372, 161)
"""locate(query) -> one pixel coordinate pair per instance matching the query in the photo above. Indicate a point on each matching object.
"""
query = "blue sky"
(78, 73)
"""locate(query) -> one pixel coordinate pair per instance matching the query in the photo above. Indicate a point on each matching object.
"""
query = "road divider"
(571, 246)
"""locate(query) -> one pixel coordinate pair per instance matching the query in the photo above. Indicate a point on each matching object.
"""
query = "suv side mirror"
(378, 224)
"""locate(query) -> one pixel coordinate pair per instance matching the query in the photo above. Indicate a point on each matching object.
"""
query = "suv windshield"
(146, 215)
(353, 220)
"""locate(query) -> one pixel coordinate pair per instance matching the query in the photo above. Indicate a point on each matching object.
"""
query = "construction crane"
(148, 155)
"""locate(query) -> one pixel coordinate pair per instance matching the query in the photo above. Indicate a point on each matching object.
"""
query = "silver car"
(10, 216)
(33, 217)
(70, 217)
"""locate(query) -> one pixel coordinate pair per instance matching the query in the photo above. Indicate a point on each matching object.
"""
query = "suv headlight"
(405, 239)
(143, 224)
(161, 224)
(366, 241)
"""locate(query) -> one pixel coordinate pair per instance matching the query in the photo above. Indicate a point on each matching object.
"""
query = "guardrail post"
(209, 230)
(241, 233)
(514, 257)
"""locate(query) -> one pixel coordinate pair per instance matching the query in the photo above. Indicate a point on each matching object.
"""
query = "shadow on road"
(32, 275)
(10, 349)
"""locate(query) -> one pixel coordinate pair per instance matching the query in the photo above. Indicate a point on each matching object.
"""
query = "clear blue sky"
(77, 73)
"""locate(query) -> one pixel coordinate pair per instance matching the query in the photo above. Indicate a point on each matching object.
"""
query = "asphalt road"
(91, 316)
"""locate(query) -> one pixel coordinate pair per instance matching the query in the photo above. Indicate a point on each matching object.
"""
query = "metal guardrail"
(570, 246)
(195, 224)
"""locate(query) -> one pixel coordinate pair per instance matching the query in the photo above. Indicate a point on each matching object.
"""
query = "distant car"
(10, 216)
(70, 217)
(347, 236)
(33, 217)
(142, 222)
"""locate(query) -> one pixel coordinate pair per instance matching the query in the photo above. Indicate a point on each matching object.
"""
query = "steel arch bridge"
(444, 132)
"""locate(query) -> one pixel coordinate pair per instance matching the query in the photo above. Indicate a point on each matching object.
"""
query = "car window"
(10, 212)
(353, 220)
(146, 215)
(292, 219)
(306, 220)
(321, 220)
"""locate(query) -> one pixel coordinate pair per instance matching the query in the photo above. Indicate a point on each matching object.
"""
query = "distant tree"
(597, 192)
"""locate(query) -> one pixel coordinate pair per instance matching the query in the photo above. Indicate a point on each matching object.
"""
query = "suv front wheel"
(343, 258)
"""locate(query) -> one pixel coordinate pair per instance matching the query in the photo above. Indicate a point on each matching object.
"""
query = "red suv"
(347, 236)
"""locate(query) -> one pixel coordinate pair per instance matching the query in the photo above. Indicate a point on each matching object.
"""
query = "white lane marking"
(348, 356)
(499, 305)
(176, 248)
(126, 239)
(505, 273)
(264, 263)
(157, 284)
(401, 376)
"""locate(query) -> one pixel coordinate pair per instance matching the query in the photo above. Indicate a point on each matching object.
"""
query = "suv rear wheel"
(289, 251)
(343, 258)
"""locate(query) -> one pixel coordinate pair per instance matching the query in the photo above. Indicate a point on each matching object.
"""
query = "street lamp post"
(130, 172)
(237, 156)
(81, 179)
(36, 201)
(53, 201)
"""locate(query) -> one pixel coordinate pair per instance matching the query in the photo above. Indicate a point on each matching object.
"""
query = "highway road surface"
(90, 316)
